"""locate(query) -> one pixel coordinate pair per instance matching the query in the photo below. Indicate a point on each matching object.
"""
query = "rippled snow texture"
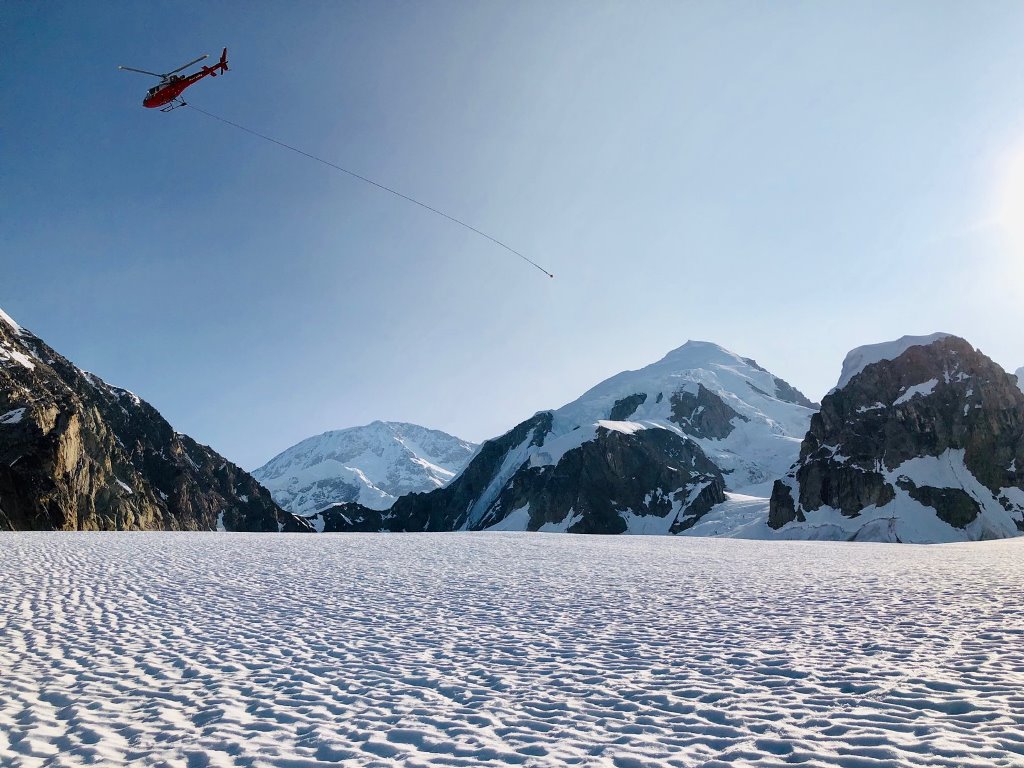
(507, 649)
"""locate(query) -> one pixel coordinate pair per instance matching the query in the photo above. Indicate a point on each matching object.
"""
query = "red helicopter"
(167, 94)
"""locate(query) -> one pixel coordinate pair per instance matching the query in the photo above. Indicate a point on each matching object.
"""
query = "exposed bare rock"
(79, 454)
(935, 432)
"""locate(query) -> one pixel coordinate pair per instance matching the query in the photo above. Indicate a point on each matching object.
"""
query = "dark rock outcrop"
(703, 414)
(627, 406)
(943, 403)
(79, 454)
(649, 473)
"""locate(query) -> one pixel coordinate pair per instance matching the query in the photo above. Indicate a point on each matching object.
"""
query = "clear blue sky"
(789, 180)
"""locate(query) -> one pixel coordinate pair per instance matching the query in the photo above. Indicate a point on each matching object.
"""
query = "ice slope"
(758, 449)
(861, 357)
(904, 519)
(740, 516)
(373, 464)
(494, 650)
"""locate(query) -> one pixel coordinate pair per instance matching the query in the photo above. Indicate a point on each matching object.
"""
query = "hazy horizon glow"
(786, 180)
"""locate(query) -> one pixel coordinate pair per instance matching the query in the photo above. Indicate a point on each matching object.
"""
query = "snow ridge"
(861, 357)
(4, 317)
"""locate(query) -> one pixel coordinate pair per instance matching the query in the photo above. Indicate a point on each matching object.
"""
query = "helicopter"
(167, 94)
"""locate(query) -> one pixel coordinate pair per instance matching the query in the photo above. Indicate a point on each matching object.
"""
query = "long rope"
(374, 183)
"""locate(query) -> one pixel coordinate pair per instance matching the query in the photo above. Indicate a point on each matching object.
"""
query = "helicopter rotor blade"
(184, 66)
(140, 71)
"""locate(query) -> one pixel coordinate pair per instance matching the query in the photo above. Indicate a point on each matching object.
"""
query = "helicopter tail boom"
(221, 65)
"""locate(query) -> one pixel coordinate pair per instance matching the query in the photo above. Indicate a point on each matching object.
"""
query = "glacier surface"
(484, 650)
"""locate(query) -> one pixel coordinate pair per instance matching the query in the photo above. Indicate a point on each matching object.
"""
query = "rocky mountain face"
(617, 481)
(372, 465)
(921, 442)
(79, 454)
(1020, 378)
(646, 451)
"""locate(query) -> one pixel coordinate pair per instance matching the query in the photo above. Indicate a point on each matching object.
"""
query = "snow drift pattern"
(493, 650)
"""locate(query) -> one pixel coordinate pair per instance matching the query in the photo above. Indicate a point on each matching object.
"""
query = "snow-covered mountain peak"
(748, 421)
(741, 380)
(861, 357)
(696, 362)
(372, 464)
(700, 354)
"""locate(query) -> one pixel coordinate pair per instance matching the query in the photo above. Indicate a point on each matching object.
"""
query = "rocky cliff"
(79, 454)
(926, 444)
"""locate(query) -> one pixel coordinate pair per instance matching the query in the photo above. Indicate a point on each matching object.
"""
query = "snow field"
(500, 649)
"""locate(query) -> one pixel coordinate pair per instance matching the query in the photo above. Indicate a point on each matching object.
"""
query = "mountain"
(372, 465)
(79, 454)
(1020, 378)
(748, 421)
(647, 451)
(923, 443)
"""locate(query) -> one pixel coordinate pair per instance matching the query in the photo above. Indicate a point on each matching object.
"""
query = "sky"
(789, 180)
